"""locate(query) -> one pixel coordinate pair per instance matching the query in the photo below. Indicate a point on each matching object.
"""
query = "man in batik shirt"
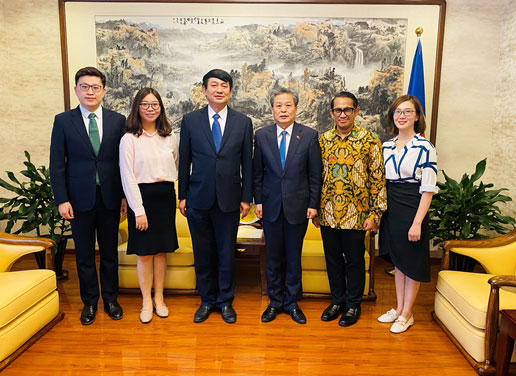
(353, 199)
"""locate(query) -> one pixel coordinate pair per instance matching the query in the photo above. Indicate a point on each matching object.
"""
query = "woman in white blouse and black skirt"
(411, 173)
(148, 166)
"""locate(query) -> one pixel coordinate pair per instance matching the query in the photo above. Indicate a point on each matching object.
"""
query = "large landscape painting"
(316, 57)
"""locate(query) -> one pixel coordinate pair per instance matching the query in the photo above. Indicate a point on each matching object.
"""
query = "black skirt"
(159, 200)
(411, 258)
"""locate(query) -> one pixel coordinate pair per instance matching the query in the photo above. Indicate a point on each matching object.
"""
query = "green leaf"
(11, 176)
(8, 186)
(461, 210)
(479, 170)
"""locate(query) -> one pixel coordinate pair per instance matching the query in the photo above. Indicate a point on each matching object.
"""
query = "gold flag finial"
(419, 31)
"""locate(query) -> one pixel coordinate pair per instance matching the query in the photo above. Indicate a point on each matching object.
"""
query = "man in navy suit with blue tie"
(287, 186)
(215, 187)
(86, 183)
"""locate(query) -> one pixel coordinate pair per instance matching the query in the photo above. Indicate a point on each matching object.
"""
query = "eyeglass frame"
(404, 112)
(95, 88)
(350, 111)
(145, 105)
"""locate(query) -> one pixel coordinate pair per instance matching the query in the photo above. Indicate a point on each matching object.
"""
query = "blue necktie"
(216, 132)
(283, 147)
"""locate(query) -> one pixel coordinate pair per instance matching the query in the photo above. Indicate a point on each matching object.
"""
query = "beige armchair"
(29, 302)
(467, 304)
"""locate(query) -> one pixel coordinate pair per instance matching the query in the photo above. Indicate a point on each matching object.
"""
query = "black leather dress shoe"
(298, 316)
(350, 316)
(88, 314)
(114, 310)
(202, 313)
(228, 314)
(332, 312)
(270, 314)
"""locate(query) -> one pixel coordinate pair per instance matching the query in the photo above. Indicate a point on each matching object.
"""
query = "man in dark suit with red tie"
(287, 185)
(215, 185)
(85, 178)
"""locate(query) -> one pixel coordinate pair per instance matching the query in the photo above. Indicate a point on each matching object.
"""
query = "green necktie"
(93, 130)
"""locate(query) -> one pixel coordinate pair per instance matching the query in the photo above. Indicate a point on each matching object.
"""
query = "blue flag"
(417, 77)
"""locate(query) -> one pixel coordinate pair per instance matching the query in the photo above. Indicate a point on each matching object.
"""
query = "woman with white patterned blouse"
(411, 173)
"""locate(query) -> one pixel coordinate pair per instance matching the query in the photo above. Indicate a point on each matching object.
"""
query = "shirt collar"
(288, 129)
(351, 135)
(149, 134)
(222, 113)
(416, 136)
(85, 113)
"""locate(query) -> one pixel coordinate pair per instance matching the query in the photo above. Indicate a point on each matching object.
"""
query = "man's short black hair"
(220, 74)
(344, 94)
(90, 71)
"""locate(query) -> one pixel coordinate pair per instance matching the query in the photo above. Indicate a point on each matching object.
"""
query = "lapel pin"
(297, 137)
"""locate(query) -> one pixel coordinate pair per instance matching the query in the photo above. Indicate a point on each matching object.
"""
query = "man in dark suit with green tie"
(85, 178)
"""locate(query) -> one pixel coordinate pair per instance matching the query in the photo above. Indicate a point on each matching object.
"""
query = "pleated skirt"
(159, 200)
(411, 258)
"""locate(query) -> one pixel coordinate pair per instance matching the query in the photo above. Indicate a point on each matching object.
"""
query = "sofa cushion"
(181, 257)
(23, 327)
(177, 277)
(316, 281)
(468, 293)
(23, 289)
(312, 256)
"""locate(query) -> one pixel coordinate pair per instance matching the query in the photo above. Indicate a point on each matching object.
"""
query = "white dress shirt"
(98, 118)
(287, 136)
(222, 119)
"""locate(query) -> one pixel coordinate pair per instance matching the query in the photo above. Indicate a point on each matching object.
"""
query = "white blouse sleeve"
(429, 171)
(131, 189)
(175, 150)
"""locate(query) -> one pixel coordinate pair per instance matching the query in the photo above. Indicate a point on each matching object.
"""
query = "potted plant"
(33, 206)
(466, 210)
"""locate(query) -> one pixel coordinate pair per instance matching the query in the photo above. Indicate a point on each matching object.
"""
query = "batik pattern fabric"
(353, 187)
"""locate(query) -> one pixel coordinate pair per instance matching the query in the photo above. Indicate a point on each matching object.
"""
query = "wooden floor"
(177, 346)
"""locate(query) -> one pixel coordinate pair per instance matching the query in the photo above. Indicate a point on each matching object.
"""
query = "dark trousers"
(103, 223)
(344, 253)
(284, 243)
(213, 238)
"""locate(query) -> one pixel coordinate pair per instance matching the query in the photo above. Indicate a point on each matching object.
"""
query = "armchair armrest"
(12, 247)
(493, 307)
(503, 280)
(498, 241)
(499, 260)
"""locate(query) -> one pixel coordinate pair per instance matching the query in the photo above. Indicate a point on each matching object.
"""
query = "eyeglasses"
(86, 87)
(154, 105)
(339, 111)
(404, 112)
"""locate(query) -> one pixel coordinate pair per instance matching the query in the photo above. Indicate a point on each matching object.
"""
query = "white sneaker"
(402, 324)
(389, 316)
